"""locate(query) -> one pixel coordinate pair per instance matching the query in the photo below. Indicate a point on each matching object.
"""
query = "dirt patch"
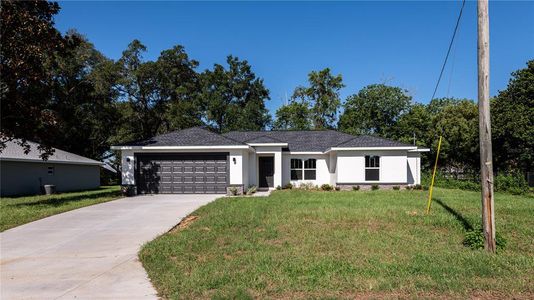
(186, 222)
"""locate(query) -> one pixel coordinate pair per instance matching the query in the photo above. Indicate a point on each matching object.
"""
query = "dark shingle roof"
(313, 140)
(263, 139)
(298, 140)
(371, 141)
(195, 136)
(14, 151)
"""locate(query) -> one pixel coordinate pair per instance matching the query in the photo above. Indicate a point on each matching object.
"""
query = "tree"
(513, 122)
(295, 116)
(417, 122)
(84, 98)
(234, 98)
(374, 110)
(139, 84)
(315, 106)
(29, 45)
(180, 86)
(458, 123)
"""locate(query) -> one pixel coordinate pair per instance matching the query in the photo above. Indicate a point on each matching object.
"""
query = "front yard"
(16, 211)
(377, 244)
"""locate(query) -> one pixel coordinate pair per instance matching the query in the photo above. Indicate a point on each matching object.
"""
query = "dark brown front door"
(266, 171)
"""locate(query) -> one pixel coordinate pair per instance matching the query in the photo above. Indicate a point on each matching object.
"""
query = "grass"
(21, 210)
(377, 244)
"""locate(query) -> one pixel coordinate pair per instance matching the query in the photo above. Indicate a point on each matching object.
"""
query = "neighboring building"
(196, 160)
(25, 174)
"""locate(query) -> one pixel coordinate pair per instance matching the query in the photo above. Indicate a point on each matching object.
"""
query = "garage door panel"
(182, 173)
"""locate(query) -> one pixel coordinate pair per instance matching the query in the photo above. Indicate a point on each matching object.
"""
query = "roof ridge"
(265, 135)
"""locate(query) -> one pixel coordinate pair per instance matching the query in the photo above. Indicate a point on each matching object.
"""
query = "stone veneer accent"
(239, 187)
(367, 187)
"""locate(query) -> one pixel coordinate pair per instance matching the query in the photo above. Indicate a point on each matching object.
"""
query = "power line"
(449, 50)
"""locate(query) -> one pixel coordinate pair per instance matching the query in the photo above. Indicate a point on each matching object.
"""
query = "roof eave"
(214, 147)
(371, 148)
(71, 162)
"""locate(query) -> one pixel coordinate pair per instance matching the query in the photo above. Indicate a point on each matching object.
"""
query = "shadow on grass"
(60, 200)
(465, 223)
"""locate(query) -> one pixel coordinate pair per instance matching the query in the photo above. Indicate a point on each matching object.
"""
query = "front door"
(266, 171)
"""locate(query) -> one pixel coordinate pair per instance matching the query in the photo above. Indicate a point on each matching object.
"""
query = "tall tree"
(295, 116)
(140, 87)
(374, 110)
(29, 45)
(458, 123)
(84, 98)
(180, 86)
(234, 98)
(513, 122)
(314, 106)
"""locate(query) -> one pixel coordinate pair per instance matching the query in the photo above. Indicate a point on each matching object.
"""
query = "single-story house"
(26, 173)
(196, 160)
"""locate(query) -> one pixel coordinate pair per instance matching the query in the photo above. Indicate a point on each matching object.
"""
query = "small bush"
(308, 186)
(251, 190)
(409, 187)
(326, 187)
(337, 188)
(513, 183)
(417, 187)
(233, 191)
(355, 187)
(278, 187)
(474, 239)
(288, 186)
(396, 187)
(375, 187)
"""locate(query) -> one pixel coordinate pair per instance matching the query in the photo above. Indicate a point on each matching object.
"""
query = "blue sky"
(398, 43)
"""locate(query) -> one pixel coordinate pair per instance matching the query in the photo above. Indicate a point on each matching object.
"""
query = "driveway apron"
(91, 252)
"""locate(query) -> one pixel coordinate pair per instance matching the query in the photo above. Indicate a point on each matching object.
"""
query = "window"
(51, 171)
(303, 169)
(296, 169)
(372, 168)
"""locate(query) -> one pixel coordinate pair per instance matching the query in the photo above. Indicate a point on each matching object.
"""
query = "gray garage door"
(190, 173)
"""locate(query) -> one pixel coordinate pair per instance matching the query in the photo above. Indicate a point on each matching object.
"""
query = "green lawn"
(377, 244)
(20, 210)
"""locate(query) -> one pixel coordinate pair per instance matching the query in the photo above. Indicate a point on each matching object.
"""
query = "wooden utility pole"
(486, 164)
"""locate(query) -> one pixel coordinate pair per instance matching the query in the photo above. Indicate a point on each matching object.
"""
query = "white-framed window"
(303, 169)
(372, 168)
(51, 171)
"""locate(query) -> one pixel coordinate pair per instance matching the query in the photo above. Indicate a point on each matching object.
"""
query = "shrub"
(326, 187)
(396, 187)
(308, 186)
(355, 187)
(417, 187)
(375, 187)
(337, 188)
(409, 187)
(288, 186)
(251, 190)
(513, 183)
(278, 187)
(233, 191)
(474, 239)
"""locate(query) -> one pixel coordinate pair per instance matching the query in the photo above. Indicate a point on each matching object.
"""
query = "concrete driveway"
(91, 252)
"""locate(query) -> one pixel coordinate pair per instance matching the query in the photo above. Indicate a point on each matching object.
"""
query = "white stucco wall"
(322, 176)
(414, 168)
(393, 166)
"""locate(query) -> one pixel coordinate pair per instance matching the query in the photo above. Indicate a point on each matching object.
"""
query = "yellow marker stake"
(433, 176)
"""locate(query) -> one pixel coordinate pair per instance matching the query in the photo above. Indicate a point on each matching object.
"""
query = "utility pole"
(486, 164)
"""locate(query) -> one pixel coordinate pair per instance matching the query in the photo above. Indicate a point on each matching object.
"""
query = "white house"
(196, 160)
